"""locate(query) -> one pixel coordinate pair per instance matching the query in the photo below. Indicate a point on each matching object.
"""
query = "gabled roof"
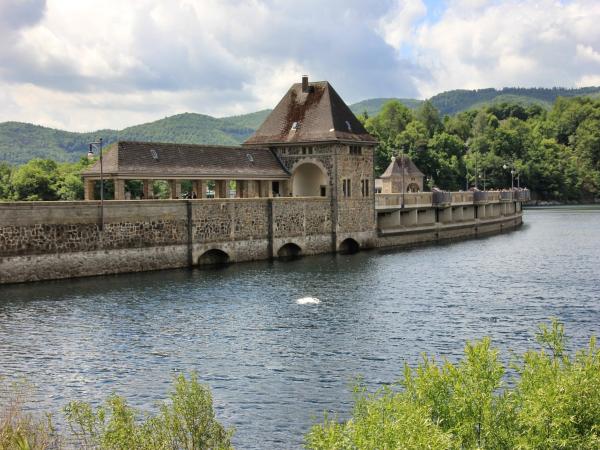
(317, 115)
(398, 164)
(160, 160)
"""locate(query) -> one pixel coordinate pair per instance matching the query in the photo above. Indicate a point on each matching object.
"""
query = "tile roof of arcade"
(163, 160)
(315, 113)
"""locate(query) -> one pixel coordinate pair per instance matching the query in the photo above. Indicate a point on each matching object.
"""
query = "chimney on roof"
(305, 84)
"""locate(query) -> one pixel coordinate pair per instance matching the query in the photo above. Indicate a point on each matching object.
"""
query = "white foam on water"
(308, 301)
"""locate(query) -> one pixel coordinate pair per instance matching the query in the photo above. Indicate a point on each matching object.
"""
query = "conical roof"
(317, 114)
(398, 164)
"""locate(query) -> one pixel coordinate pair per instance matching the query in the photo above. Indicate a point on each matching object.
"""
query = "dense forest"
(555, 152)
(20, 142)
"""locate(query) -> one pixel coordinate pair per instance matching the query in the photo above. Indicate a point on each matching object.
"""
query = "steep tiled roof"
(319, 114)
(153, 159)
(396, 166)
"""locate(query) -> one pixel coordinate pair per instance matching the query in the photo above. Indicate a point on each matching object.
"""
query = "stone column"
(241, 189)
(254, 188)
(285, 188)
(457, 214)
(445, 215)
(200, 187)
(175, 186)
(481, 212)
(147, 189)
(88, 189)
(221, 188)
(119, 189)
(265, 189)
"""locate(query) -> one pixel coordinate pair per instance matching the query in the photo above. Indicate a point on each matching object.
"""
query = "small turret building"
(402, 175)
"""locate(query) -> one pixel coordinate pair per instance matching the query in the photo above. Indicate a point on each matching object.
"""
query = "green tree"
(35, 180)
(430, 117)
(5, 181)
(391, 121)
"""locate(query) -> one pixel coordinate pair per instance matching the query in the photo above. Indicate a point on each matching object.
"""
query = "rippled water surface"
(275, 364)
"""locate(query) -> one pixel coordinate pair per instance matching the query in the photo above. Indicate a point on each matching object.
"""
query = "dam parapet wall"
(52, 240)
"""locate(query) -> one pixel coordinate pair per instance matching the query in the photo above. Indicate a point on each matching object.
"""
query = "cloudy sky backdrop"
(87, 64)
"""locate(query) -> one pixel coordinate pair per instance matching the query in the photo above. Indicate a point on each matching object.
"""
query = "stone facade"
(348, 171)
(45, 240)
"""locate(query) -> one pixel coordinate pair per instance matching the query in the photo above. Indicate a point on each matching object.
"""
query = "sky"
(84, 65)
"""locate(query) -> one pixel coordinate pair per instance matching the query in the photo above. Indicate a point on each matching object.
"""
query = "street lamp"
(483, 177)
(98, 146)
(402, 168)
(512, 174)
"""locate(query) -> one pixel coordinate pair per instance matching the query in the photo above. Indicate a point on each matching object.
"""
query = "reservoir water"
(274, 363)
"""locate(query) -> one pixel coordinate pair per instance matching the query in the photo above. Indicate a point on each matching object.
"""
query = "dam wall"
(53, 240)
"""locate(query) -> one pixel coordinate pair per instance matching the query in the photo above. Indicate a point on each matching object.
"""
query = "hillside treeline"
(556, 152)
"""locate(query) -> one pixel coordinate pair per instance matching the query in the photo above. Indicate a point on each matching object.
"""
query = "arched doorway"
(309, 180)
(349, 246)
(214, 257)
(289, 251)
(412, 187)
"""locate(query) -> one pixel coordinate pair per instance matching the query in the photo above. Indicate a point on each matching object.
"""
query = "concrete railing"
(522, 195)
(462, 197)
(486, 196)
(442, 198)
(410, 199)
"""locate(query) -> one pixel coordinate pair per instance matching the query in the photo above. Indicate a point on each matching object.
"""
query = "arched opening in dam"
(214, 257)
(349, 246)
(289, 251)
(309, 180)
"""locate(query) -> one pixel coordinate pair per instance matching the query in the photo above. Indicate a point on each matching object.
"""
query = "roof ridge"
(185, 144)
(328, 86)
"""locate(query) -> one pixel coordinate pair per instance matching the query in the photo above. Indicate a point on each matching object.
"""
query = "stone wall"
(47, 240)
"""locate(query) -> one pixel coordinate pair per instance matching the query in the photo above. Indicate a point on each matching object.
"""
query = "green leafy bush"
(551, 402)
(186, 421)
(20, 430)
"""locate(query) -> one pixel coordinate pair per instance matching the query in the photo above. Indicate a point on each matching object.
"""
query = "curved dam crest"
(53, 240)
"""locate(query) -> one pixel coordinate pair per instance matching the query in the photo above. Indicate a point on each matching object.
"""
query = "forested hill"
(456, 101)
(20, 142)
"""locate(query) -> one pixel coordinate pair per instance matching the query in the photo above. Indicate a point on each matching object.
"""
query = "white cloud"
(210, 56)
(90, 64)
(510, 43)
(397, 26)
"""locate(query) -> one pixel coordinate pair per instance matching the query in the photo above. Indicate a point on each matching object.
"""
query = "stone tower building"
(328, 153)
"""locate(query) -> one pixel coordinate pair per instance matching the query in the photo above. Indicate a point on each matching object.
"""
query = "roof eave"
(186, 176)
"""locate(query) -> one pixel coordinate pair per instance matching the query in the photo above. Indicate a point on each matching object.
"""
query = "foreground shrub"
(552, 402)
(21, 430)
(186, 421)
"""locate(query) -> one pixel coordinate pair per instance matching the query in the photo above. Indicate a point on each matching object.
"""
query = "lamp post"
(98, 146)
(512, 174)
(483, 177)
(403, 170)
(476, 172)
